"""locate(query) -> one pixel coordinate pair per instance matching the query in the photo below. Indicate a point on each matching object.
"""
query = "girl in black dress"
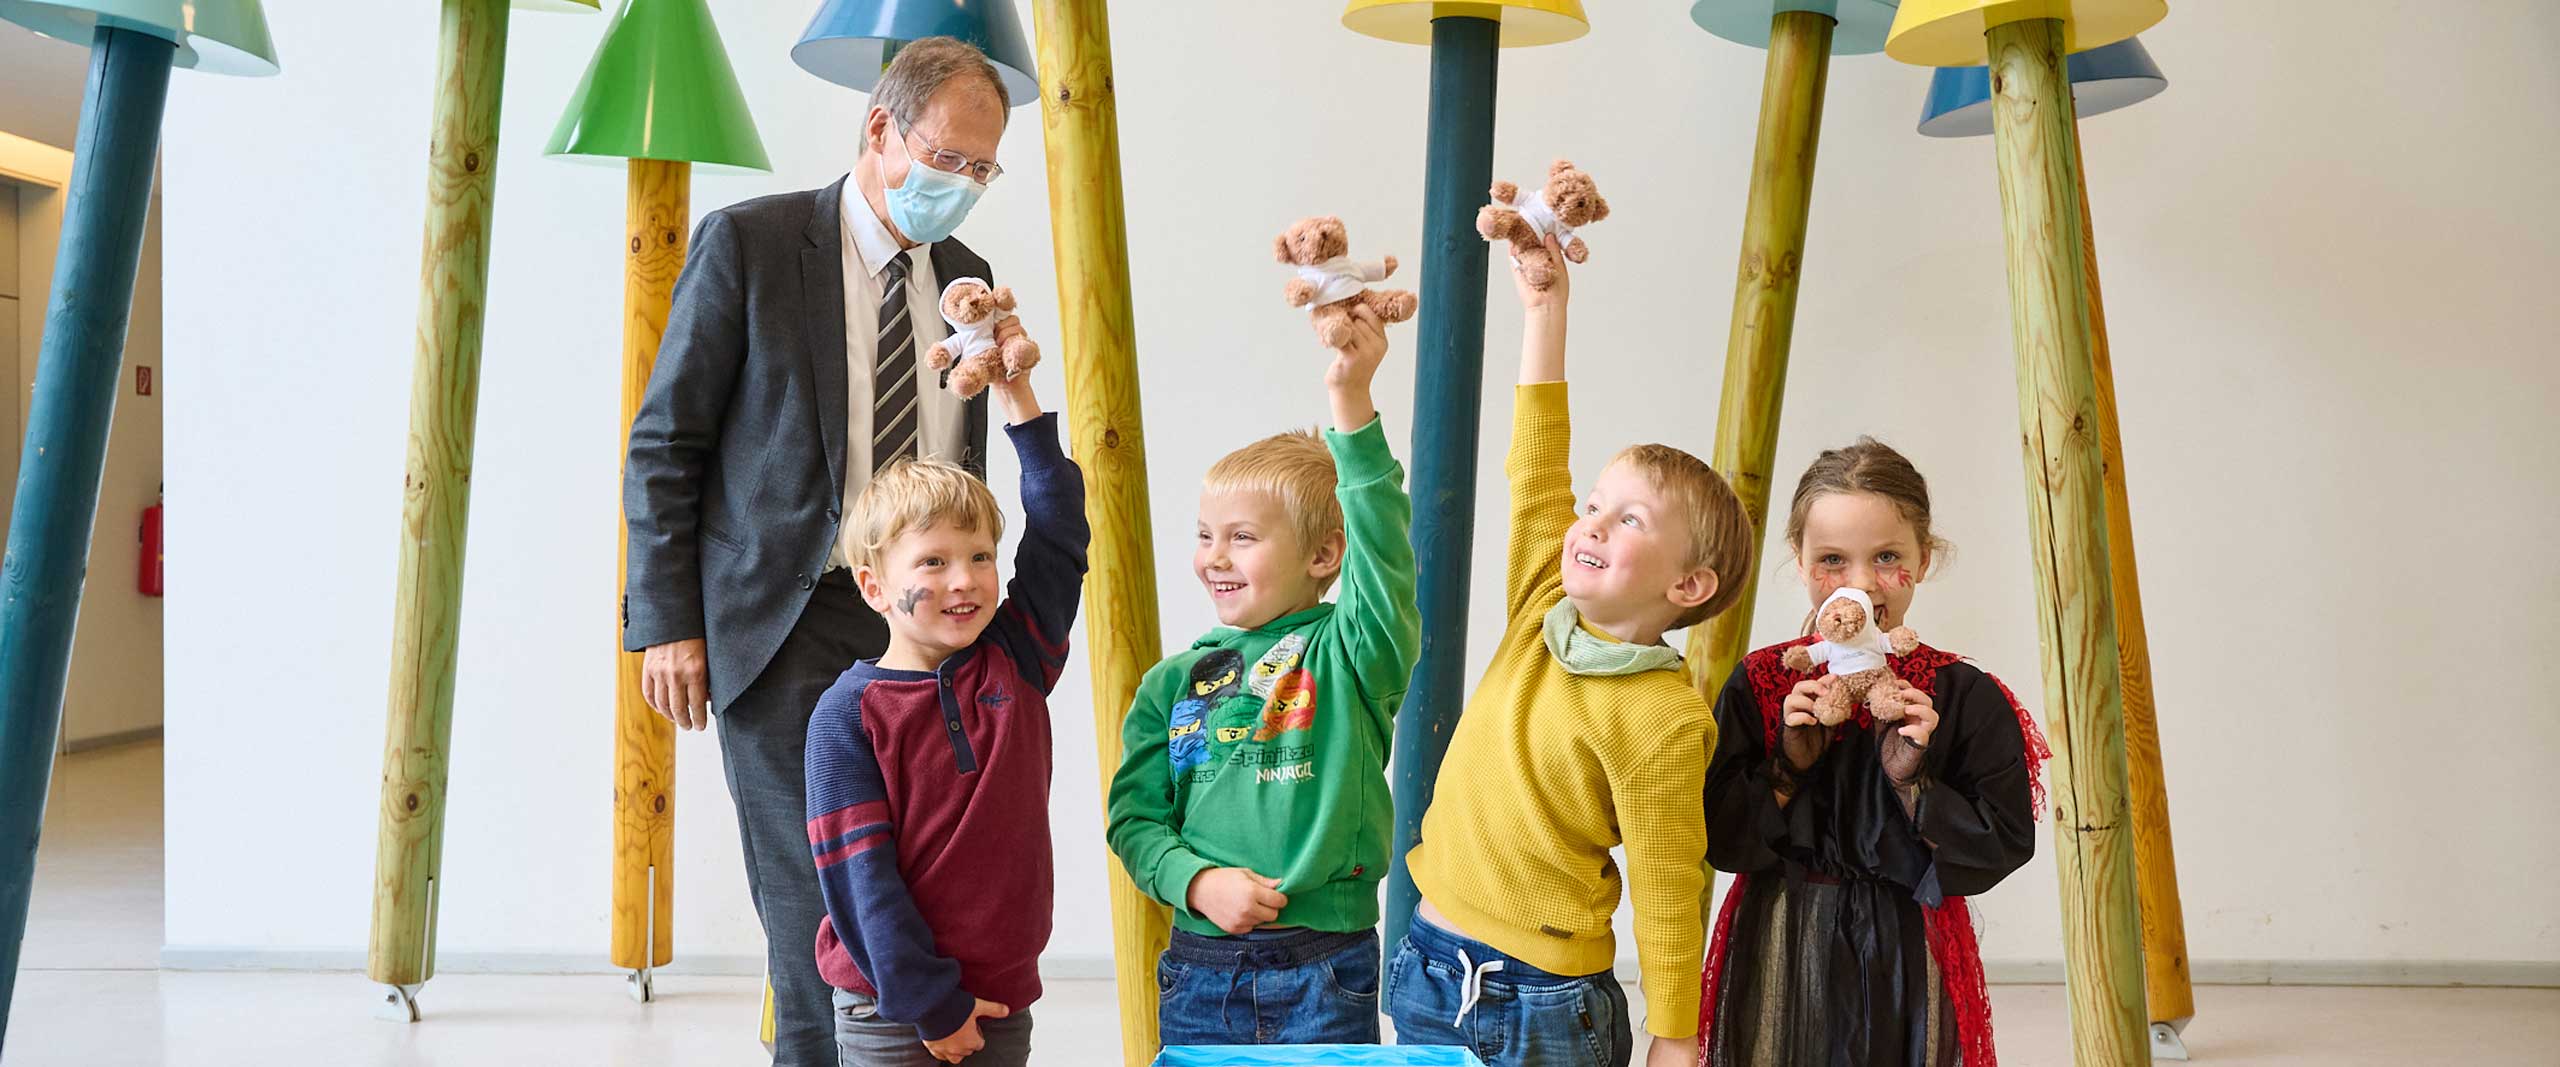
(1844, 941)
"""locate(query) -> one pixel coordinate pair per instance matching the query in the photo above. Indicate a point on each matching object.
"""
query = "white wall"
(2328, 294)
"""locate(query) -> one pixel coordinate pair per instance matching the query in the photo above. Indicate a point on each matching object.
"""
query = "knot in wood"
(410, 802)
(658, 804)
(1110, 438)
(635, 246)
(471, 162)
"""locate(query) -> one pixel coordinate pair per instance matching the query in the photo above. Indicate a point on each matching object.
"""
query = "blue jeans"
(1445, 989)
(1294, 987)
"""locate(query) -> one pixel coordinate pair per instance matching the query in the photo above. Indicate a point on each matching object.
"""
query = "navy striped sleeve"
(857, 856)
(1039, 608)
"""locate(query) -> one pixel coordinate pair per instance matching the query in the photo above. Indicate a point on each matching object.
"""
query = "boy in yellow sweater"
(1583, 735)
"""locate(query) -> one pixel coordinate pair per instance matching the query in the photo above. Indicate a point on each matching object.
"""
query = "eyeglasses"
(943, 159)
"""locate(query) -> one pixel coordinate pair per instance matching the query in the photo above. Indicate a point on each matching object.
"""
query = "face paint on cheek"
(1895, 578)
(907, 603)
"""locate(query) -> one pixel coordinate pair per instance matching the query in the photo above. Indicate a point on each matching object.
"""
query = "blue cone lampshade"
(850, 40)
(214, 36)
(1860, 24)
(2102, 80)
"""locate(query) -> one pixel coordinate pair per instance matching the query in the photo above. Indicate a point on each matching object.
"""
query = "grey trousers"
(864, 1039)
(764, 737)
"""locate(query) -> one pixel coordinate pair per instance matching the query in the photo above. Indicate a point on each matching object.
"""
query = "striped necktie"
(893, 396)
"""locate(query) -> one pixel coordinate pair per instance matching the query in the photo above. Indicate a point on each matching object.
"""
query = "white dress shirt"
(941, 417)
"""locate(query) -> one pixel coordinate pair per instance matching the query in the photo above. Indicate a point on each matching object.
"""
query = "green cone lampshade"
(848, 41)
(215, 36)
(660, 87)
(579, 6)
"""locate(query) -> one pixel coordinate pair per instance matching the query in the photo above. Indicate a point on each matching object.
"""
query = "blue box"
(1317, 1056)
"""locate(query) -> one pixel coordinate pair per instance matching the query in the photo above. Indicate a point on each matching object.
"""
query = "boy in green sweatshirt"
(1252, 795)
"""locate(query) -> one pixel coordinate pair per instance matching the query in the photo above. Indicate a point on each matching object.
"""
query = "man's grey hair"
(922, 68)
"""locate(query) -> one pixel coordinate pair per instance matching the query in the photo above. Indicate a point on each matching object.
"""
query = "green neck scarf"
(1584, 653)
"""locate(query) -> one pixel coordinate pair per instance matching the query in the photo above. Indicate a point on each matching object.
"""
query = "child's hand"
(1559, 289)
(1020, 404)
(1900, 746)
(1672, 1052)
(1346, 379)
(1236, 899)
(1805, 737)
(965, 1040)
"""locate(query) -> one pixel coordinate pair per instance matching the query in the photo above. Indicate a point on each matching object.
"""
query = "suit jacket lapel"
(952, 260)
(822, 293)
(945, 271)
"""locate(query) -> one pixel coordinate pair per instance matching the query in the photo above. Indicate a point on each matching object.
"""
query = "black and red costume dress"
(1845, 941)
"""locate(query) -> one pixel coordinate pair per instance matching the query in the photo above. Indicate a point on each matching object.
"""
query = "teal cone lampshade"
(215, 36)
(2102, 80)
(1860, 24)
(661, 87)
(850, 40)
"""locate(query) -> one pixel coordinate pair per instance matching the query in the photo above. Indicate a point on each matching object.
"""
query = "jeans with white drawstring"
(1447, 989)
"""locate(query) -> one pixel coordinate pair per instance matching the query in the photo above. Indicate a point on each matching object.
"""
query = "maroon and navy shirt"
(929, 790)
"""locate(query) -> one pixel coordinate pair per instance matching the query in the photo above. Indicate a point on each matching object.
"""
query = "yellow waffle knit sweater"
(1548, 770)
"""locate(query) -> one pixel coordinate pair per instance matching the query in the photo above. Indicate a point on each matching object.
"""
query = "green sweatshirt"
(1267, 748)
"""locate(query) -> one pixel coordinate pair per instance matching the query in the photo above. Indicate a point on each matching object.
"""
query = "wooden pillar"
(444, 403)
(658, 201)
(2066, 509)
(2169, 990)
(1448, 399)
(1080, 119)
(70, 411)
(1764, 312)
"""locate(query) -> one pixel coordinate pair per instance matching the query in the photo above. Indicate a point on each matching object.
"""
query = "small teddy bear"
(973, 354)
(1333, 282)
(1856, 652)
(1569, 200)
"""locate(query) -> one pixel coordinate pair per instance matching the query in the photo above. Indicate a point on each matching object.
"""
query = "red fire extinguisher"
(150, 577)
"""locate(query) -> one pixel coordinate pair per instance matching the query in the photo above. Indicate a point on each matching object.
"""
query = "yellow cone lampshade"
(1948, 33)
(1524, 22)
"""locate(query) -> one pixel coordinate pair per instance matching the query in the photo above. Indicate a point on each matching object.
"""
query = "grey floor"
(90, 993)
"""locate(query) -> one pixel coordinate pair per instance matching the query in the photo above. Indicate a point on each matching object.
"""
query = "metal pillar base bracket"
(398, 1003)
(2166, 1042)
(641, 987)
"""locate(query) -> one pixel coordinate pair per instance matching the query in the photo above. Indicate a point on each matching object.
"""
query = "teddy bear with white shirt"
(1526, 218)
(974, 354)
(1330, 283)
(1855, 651)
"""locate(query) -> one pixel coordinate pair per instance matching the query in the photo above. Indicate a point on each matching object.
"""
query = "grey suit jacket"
(736, 470)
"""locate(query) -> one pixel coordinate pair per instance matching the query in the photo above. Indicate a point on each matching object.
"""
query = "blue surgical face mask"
(932, 203)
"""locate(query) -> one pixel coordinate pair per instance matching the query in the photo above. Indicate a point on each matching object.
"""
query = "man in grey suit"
(788, 374)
